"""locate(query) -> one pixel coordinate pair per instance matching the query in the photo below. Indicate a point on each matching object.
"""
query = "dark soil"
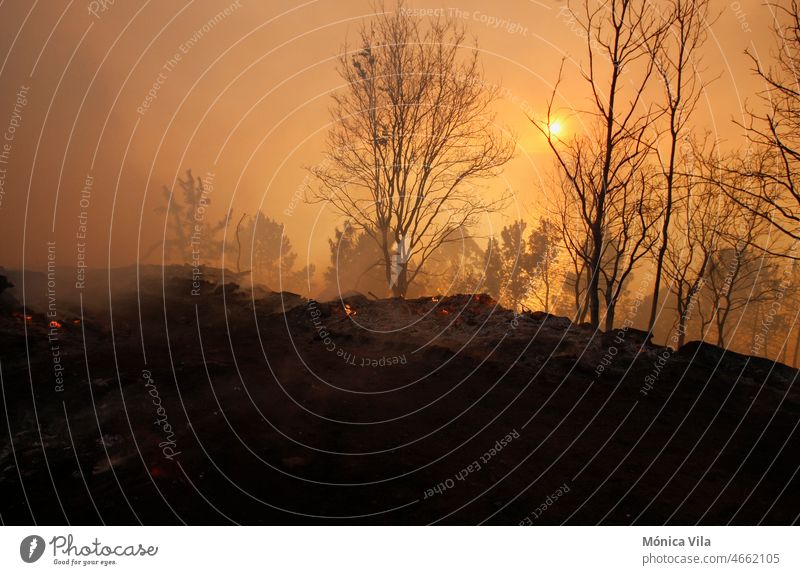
(279, 410)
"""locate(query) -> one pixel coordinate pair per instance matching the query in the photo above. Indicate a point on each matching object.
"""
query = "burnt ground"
(280, 410)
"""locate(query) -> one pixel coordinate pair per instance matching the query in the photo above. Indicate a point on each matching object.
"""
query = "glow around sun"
(555, 128)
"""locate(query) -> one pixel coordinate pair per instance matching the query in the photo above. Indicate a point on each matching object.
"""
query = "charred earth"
(160, 398)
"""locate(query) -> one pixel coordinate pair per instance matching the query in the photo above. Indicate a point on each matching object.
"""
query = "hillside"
(256, 407)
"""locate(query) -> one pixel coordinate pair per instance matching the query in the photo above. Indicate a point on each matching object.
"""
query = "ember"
(56, 324)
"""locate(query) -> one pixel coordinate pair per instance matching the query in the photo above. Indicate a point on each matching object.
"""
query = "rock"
(5, 284)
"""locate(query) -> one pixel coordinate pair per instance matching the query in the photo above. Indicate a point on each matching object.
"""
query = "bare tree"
(602, 170)
(701, 213)
(574, 241)
(413, 133)
(773, 161)
(627, 233)
(740, 271)
(677, 59)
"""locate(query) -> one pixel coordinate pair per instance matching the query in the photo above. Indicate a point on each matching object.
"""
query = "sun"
(555, 128)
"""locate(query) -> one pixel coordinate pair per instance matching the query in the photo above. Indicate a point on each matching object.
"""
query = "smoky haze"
(248, 101)
(104, 106)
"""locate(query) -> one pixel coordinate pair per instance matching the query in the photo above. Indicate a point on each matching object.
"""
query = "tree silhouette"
(523, 270)
(607, 209)
(677, 60)
(189, 237)
(774, 133)
(413, 132)
(355, 262)
(270, 256)
(701, 213)
(543, 246)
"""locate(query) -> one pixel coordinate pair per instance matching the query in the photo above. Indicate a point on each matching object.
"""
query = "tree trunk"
(239, 244)
(610, 312)
(662, 250)
(682, 329)
(721, 321)
(400, 286)
(594, 278)
(547, 297)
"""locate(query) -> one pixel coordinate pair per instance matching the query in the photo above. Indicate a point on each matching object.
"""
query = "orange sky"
(248, 101)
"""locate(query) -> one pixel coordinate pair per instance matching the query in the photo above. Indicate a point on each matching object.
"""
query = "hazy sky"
(248, 100)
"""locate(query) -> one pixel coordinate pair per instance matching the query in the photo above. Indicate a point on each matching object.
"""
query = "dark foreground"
(249, 407)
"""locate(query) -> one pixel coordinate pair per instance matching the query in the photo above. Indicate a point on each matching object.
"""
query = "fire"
(56, 324)
(444, 312)
(348, 310)
(28, 318)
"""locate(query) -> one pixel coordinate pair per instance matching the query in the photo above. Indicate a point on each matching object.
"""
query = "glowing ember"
(348, 310)
(55, 324)
(28, 318)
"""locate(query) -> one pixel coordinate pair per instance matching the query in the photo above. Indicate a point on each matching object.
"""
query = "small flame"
(28, 318)
(444, 312)
(76, 321)
(348, 310)
(56, 324)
